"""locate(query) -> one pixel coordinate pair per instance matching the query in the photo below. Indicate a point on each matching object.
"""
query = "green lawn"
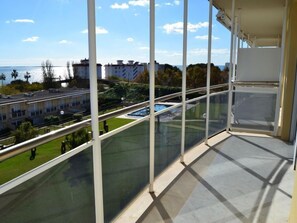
(20, 164)
(115, 123)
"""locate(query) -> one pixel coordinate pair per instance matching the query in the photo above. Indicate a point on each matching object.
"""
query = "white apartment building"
(82, 69)
(127, 71)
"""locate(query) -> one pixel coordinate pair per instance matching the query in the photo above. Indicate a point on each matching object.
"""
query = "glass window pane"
(254, 110)
(218, 111)
(167, 139)
(195, 123)
(125, 163)
(64, 193)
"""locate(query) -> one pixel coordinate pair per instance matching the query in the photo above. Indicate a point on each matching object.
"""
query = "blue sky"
(35, 30)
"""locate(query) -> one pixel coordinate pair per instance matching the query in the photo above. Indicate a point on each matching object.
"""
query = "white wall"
(126, 71)
(258, 64)
(83, 71)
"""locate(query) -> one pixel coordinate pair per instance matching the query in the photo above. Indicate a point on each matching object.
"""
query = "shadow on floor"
(241, 179)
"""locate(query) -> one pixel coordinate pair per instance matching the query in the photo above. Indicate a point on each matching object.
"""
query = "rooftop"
(42, 95)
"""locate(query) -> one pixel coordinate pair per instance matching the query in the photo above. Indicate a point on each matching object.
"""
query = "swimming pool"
(146, 111)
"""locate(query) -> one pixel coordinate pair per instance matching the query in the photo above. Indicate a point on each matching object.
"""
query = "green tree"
(216, 75)
(143, 78)
(9, 90)
(69, 76)
(48, 75)
(14, 74)
(51, 120)
(115, 78)
(77, 138)
(170, 76)
(196, 76)
(19, 85)
(72, 83)
(27, 76)
(35, 86)
(25, 132)
(78, 117)
(2, 78)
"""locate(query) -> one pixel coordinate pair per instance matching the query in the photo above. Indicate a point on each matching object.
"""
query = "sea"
(35, 72)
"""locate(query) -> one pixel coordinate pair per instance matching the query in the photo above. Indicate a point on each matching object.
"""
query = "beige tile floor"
(235, 178)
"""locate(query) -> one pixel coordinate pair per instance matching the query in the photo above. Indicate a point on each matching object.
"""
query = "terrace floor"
(235, 178)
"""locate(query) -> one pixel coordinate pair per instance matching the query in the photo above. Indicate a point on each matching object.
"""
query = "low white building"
(82, 69)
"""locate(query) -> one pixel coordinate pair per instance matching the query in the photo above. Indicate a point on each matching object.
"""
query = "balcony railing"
(62, 189)
(254, 106)
(25, 146)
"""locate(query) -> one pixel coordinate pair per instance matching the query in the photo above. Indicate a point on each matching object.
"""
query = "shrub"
(78, 138)
(24, 132)
(78, 117)
(51, 120)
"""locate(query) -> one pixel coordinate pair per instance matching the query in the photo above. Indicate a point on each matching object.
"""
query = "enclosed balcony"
(226, 154)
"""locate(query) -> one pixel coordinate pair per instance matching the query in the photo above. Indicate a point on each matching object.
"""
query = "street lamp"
(61, 116)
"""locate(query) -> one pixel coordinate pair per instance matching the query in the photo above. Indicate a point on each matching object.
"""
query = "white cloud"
(65, 42)
(198, 52)
(31, 39)
(144, 48)
(205, 37)
(203, 52)
(175, 54)
(139, 3)
(221, 51)
(7, 21)
(130, 39)
(176, 2)
(23, 21)
(194, 27)
(99, 7)
(119, 6)
(99, 30)
(173, 3)
(161, 51)
(178, 27)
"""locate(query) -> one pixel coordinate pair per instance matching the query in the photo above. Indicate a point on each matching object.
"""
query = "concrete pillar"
(290, 59)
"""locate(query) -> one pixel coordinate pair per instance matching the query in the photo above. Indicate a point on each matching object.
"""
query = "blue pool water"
(146, 111)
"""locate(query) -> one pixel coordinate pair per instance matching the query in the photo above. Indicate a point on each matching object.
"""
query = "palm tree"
(2, 78)
(14, 74)
(27, 76)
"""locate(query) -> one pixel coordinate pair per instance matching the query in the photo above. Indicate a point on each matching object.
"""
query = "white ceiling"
(261, 20)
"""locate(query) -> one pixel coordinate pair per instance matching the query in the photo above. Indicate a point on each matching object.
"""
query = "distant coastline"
(222, 67)
(35, 72)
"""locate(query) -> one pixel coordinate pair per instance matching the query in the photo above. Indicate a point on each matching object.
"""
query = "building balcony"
(234, 177)
(188, 162)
